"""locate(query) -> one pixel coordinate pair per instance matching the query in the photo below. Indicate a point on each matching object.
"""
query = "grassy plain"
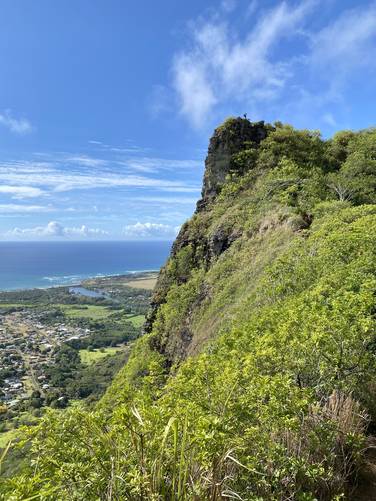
(136, 320)
(89, 357)
(90, 311)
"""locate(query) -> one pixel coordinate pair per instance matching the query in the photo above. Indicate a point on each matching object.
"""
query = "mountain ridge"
(255, 378)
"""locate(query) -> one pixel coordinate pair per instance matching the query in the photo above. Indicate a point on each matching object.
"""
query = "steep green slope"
(256, 377)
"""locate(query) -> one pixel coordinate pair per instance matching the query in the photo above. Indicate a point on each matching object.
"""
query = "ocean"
(26, 265)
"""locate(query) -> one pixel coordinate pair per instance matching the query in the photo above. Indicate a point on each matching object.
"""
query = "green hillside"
(256, 377)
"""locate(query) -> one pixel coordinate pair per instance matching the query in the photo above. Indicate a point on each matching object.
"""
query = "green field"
(96, 312)
(90, 311)
(136, 320)
(89, 357)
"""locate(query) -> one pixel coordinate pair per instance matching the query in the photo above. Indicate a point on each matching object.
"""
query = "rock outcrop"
(230, 138)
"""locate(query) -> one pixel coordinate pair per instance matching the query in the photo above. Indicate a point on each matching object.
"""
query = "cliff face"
(219, 221)
(230, 138)
(260, 188)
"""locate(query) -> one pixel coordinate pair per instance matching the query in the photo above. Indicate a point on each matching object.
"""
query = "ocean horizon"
(28, 265)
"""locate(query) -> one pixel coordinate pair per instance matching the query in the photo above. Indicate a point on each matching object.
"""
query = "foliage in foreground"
(268, 411)
(277, 406)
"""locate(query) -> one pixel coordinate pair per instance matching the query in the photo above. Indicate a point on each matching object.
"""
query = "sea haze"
(25, 265)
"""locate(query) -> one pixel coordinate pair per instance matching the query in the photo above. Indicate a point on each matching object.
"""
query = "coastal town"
(28, 347)
(35, 325)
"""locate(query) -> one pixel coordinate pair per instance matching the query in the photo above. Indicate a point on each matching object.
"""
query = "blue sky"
(106, 106)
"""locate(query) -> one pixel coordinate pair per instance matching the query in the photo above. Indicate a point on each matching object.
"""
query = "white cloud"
(167, 200)
(74, 181)
(220, 66)
(183, 189)
(20, 192)
(160, 100)
(16, 208)
(58, 178)
(86, 161)
(193, 88)
(129, 148)
(55, 229)
(85, 231)
(348, 42)
(150, 164)
(150, 230)
(17, 125)
(285, 66)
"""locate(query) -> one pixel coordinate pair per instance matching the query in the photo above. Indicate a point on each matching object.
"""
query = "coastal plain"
(63, 344)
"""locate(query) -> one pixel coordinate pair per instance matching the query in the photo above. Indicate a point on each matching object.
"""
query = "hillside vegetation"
(256, 377)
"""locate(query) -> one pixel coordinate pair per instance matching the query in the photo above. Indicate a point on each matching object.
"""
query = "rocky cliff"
(235, 135)
(231, 138)
(235, 156)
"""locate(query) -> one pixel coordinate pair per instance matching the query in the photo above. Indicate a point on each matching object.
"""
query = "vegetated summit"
(256, 378)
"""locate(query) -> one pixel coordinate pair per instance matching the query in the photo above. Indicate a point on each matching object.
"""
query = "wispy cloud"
(150, 164)
(99, 186)
(228, 5)
(20, 192)
(347, 43)
(57, 178)
(252, 8)
(86, 160)
(195, 92)
(167, 200)
(17, 125)
(280, 65)
(160, 101)
(130, 147)
(13, 208)
(220, 65)
(182, 189)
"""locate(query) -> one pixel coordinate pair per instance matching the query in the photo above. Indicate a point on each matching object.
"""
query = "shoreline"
(89, 277)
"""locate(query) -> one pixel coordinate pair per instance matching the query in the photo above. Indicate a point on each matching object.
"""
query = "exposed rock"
(228, 139)
(221, 241)
(182, 239)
